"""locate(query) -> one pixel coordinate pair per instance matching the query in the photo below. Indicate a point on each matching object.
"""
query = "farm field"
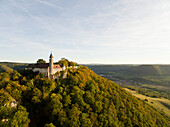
(161, 104)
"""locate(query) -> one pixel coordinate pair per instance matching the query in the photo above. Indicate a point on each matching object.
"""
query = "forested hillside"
(83, 99)
(8, 66)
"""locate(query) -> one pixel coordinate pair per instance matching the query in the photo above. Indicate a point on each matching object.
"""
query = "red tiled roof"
(56, 66)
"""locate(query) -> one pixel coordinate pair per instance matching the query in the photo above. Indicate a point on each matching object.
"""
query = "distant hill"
(151, 74)
(9, 66)
(132, 69)
(4, 68)
(148, 70)
(111, 68)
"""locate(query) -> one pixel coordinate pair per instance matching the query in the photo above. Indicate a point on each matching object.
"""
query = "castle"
(49, 69)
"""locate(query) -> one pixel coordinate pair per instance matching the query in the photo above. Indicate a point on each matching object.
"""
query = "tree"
(74, 115)
(49, 125)
(20, 118)
(71, 63)
(85, 121)
(40, 61)
(64, 61)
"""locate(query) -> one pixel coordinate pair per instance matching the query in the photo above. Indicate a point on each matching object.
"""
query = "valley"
(150, 83)
(161, 104)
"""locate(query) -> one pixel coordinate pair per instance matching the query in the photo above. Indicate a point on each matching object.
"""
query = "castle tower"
(51, 66)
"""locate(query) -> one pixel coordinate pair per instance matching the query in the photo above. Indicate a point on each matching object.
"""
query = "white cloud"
(49, 4)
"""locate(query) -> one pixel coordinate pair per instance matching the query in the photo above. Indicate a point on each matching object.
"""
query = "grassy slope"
(160, 103)
(4, 68)
(9, 66)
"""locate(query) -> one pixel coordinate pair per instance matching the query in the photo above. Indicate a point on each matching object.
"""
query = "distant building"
(49, 69)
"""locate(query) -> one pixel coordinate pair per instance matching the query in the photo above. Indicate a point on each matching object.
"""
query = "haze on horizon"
(85, 31)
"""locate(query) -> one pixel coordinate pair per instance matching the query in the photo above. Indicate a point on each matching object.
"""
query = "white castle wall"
(57, 70)
(42, 70)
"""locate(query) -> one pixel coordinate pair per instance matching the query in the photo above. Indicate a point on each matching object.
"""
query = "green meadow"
(161, 104)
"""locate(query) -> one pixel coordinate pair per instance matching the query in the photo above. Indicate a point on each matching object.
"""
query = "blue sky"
(86, 31)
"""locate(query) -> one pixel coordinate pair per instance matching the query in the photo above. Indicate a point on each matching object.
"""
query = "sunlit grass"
(158, 103)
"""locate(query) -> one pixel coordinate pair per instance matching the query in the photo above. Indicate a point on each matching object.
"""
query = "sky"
(86, 31)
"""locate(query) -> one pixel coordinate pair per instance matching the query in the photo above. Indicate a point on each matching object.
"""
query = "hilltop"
(83, 99)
